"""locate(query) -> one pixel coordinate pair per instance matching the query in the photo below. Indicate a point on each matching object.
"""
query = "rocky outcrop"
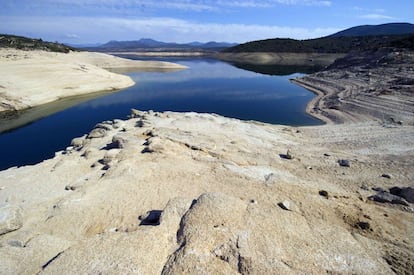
(374, 85)
(217, 235)
(173, 193)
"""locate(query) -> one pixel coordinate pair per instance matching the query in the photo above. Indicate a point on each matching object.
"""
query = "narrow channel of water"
(208, 86)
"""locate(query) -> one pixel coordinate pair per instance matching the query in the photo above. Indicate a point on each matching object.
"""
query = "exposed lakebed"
(208, 86)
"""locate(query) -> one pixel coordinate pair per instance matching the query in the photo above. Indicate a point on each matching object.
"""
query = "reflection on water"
(207, 86)
(279, 69)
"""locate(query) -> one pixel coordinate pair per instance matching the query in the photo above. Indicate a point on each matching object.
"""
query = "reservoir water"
(208, 85)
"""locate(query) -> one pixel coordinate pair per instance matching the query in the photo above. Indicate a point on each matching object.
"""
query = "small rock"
(10, 219)
(324, 193)
(88, 153)
(379, 189)
(286, 205)
(154, 145)
(364, 187)
(387, 176)
(109, 157)
(142, 122)
(289, 155)
(327, 155)
(118, 141)
(118, 123)
(363, 225)
(106, 125)
(137, 114)
(70, 188)
(97, 133)
(16, 243)
(77, 143)
(344, 163)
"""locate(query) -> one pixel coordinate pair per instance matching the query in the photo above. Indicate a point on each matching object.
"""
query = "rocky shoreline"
(376, 85)
(174, 193)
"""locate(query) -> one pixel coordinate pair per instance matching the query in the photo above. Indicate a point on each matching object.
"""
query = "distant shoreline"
(162, 54)
(269, 58)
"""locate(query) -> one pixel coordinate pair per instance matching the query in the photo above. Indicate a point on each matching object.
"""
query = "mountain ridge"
(151, 44)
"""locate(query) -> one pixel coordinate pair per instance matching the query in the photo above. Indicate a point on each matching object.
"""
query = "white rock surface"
(10, 219)
(214, 183)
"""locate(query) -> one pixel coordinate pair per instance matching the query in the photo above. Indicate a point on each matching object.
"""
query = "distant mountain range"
(356, 38)
(397, 35)
(147, 44)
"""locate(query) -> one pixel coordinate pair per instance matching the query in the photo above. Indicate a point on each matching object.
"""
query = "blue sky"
(94, 21)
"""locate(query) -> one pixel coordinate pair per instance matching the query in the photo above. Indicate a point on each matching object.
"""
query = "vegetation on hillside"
(359, 38)
(147, 44)
(405, 43)
(383, 29)
(322, 45)
(28, 44)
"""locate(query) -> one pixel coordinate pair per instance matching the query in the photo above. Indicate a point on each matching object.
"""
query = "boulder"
(385, 197)
(77, 143)
(97, 133)
(404, 192)
(408, 194)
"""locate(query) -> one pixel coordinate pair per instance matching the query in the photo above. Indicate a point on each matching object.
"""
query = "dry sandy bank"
(32, 78)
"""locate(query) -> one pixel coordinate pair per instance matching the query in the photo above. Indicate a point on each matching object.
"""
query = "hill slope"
(319, 45)
(357, 38)
(25, 43)
(384, 29)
